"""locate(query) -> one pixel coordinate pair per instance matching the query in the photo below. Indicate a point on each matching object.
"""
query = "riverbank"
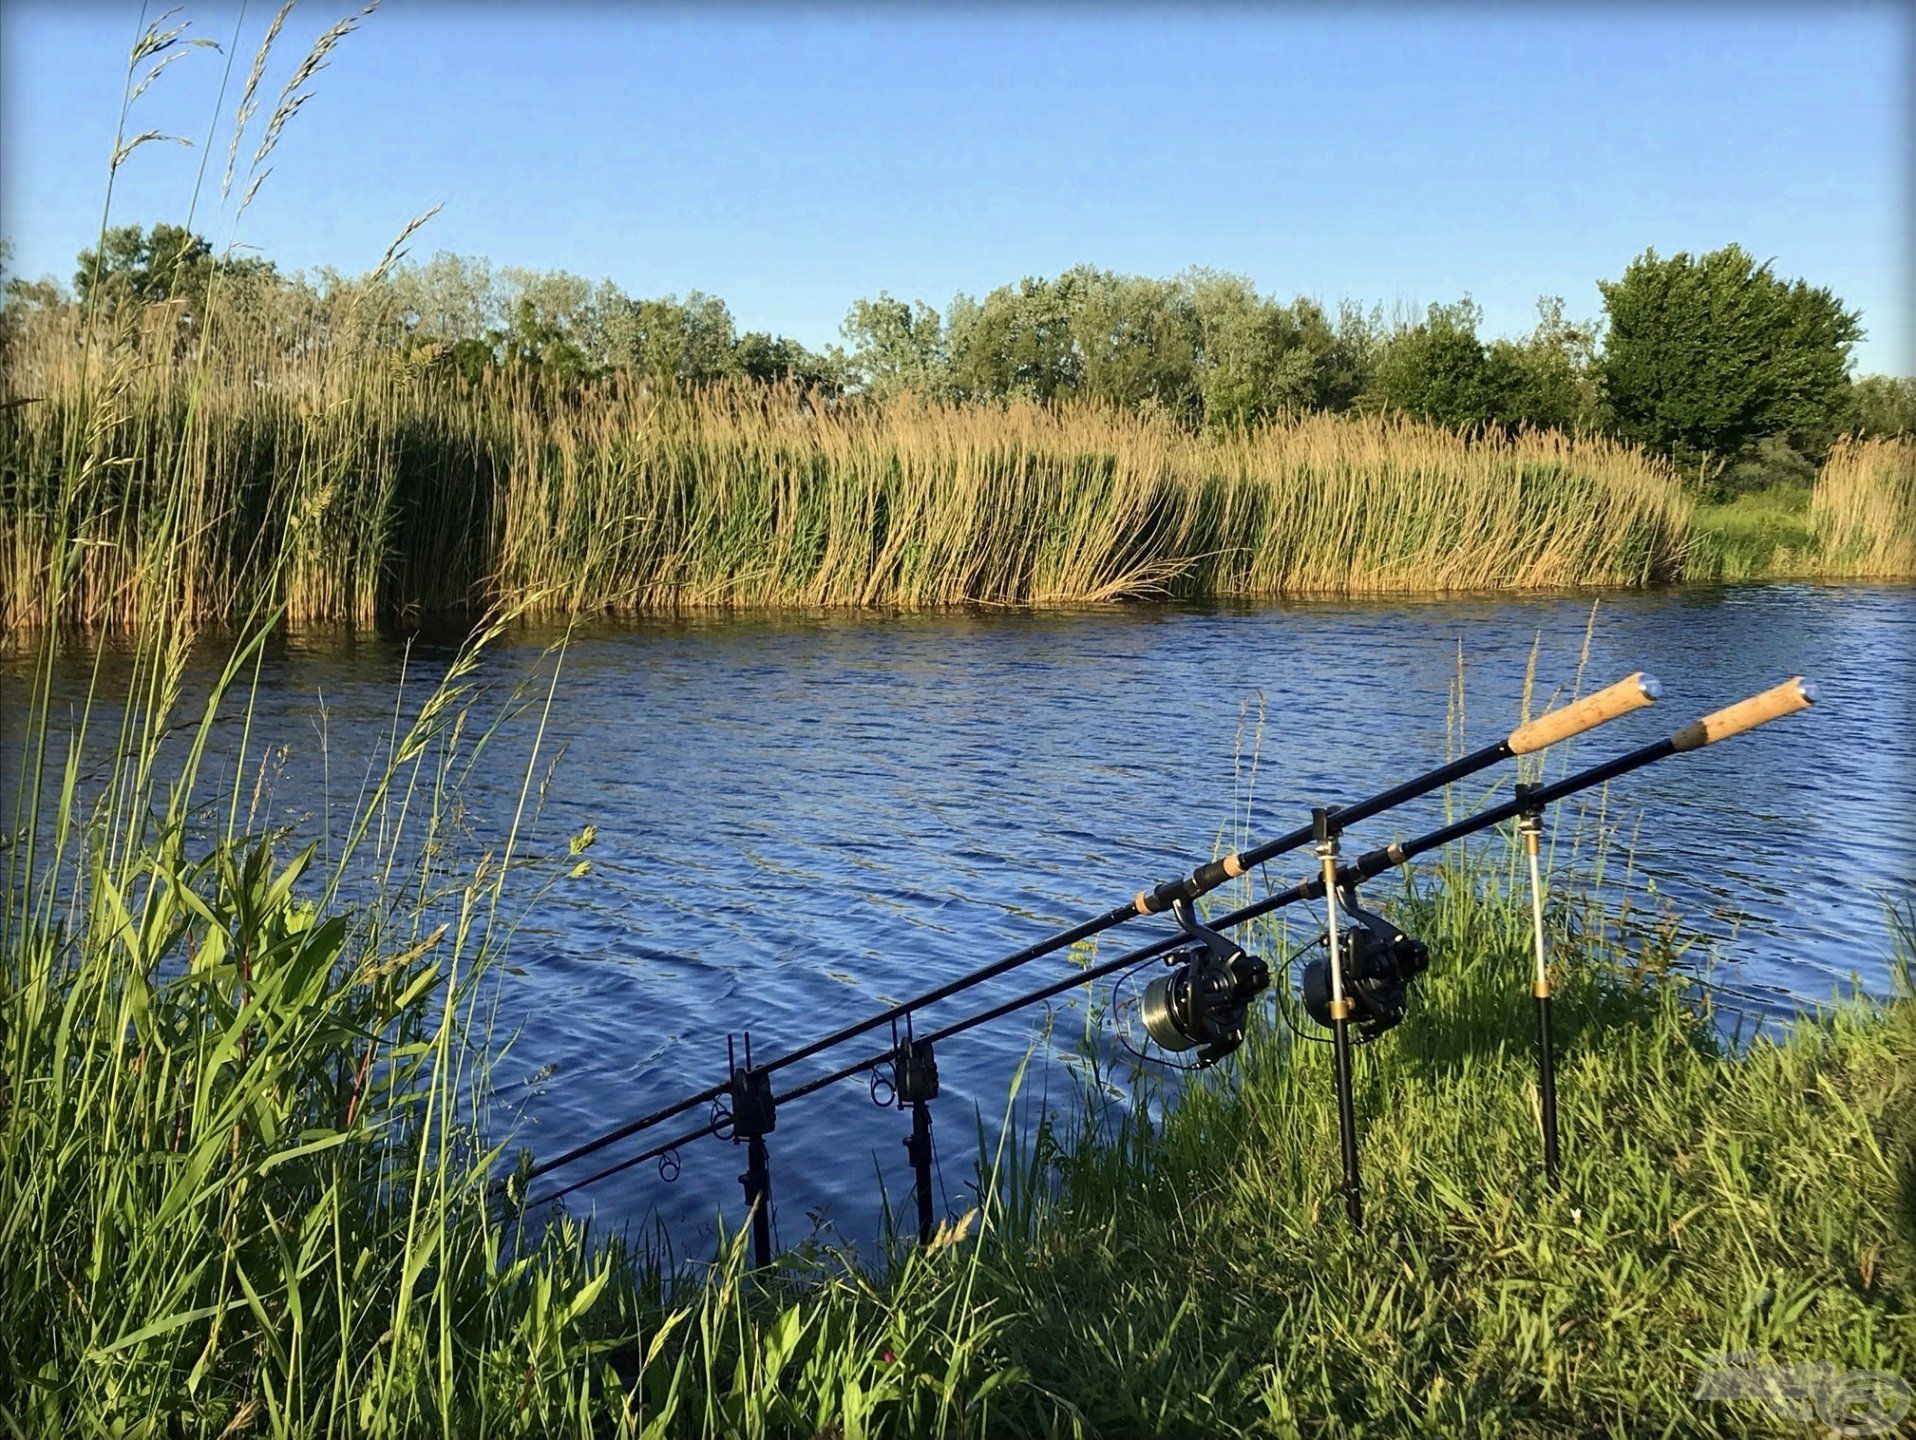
(238, 1192)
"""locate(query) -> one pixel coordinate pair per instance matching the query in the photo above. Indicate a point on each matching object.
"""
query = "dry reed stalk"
(356, 484)
(1863, 510)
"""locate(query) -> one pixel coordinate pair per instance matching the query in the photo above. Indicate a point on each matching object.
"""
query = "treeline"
(1740, 377)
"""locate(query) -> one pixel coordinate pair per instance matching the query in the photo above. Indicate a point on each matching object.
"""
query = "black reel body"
(1379, 962)
(1202, 1004)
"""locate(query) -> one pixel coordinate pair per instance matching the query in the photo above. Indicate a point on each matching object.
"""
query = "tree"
(1261, 358)
(1883, 405)
(1439, 370)
(1545, 381)
(673, 341)
(1706, 355)
(1017, 341)
(1136, 340)
(146, 267)
(168, 264)
(773, 359)
(897, 348)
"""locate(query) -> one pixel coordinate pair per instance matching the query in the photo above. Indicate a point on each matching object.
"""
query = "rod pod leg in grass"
(754, 1115)
(1530, 827)
(1324, 822)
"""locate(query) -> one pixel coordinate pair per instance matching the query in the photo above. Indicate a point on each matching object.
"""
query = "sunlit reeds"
(1863, 510)
(370, 484)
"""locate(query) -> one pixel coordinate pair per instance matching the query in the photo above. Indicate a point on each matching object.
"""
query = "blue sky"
(792, 160)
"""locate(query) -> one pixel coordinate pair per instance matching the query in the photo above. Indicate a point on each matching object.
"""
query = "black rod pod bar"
(1631, 693)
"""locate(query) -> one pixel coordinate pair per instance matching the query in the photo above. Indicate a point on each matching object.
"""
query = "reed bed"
(370, 485)
(1863, 510)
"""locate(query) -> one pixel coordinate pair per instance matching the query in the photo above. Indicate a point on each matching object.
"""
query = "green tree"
(1261, 358)
(1883, 405)
(1136, 341)
(1439, 370)
(166, 263)
(674, 341)
(1707, 355)
(897, 347)
(773, 359)
(1545, 381)
(1018, 341)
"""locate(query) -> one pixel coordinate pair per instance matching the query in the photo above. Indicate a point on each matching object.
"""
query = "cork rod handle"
(1785, 699)
(1632, 692)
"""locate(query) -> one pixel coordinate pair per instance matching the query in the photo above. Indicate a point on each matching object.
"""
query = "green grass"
(1762, 535)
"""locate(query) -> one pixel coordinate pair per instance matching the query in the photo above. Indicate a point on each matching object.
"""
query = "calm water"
(798, 820)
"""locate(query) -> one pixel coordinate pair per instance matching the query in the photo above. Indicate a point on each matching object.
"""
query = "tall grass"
(1864, 510)
(370, 485)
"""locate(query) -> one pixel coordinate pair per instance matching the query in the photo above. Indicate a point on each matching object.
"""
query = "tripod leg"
(1340, 1008)
(1531, 826)
(757, 1181)
(918, 1150)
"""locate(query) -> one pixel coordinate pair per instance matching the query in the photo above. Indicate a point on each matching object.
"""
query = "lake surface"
(802, 819)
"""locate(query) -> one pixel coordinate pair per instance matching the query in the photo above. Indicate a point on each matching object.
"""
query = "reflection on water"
(799, 819)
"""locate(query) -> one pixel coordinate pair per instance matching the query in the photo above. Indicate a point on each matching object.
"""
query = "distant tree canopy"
(1884, 405)
(150, 267)
(1705, 356)
(1736, 374)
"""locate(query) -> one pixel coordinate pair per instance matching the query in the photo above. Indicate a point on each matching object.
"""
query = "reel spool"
(1379, 962)
(1202, 1004)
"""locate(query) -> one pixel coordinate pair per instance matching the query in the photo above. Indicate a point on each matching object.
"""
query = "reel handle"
(1633, 692)
(1785, 699)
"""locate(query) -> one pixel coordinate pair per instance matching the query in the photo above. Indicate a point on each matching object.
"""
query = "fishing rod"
(1202, 1004)
(1631, 693)
(1381, 972)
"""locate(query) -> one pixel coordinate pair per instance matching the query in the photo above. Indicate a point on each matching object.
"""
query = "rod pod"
(915, 1078)
(754, 1116)
(1325, 828)
(1530, 827)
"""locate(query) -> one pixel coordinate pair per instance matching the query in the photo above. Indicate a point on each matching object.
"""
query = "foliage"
(1439, 370)
(132, 266)
(898, 348)
(1883, 406)
(1706, 355)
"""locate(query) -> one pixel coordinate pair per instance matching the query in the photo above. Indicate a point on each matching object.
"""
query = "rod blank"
(1631, 693)
(1793, 695)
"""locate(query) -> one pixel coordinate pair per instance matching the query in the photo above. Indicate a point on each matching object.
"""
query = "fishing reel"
(1379, 962)
(1202, 1004)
